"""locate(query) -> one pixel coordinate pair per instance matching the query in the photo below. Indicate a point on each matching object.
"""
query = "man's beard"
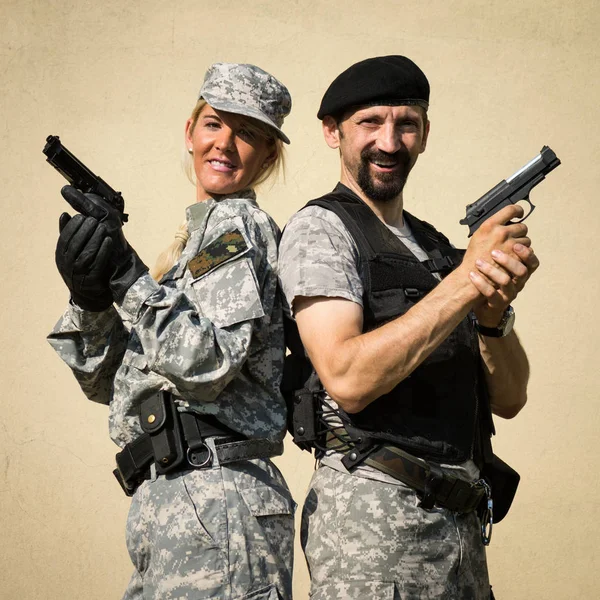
(383, 187)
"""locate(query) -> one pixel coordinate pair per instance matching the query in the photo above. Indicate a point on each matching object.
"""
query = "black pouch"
(503, 481)
(298, 387)
(304, 419)
(160, 420)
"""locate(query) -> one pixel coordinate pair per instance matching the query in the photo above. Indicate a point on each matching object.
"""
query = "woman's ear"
(270, 159)
(189, 144)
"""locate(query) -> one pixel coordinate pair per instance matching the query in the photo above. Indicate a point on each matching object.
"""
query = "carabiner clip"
(487, 516)
(487, 523)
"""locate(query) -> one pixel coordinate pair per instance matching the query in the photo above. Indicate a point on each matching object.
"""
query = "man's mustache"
(371, 155)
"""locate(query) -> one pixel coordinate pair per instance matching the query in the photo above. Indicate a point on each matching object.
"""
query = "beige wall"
(116, 81)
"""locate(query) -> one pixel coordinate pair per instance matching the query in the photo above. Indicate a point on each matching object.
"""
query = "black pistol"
(511, 190)
(79, 176)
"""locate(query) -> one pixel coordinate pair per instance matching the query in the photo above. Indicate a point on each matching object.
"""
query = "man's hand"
(125, 266)
(500, 260)
(504, 278)
(82, 256)
(499, 274)
(497, 233)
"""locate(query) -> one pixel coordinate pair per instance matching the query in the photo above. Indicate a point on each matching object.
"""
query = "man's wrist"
(487, 320)
(502, 329)
(463, 287)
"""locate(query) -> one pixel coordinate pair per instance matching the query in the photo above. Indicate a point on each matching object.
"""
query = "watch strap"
(504, 327)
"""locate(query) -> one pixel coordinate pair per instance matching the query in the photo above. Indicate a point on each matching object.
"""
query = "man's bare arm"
(507, 373)
(357, 368)
(506, 364)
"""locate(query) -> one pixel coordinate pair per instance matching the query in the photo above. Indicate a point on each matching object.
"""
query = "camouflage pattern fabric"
(222, 533)
(362, 533)
(247, 90)
(223, 248)
(367, 539)
(214, 339)
(318, 257)
(93, 356)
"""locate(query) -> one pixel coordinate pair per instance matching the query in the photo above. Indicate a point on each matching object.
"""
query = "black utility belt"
(176, 441)
(434, 486)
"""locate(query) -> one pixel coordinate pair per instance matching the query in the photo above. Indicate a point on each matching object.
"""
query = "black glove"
(125, 265)
(82, 257)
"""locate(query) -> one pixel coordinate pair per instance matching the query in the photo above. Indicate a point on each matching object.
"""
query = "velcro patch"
(222, 249)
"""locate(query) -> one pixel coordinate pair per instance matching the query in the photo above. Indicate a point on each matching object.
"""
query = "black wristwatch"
(504, 327)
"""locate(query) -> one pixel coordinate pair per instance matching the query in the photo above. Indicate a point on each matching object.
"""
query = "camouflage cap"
(247, 90)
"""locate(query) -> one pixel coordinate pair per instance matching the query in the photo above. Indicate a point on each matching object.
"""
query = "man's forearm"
(507, 373)
(362, 367)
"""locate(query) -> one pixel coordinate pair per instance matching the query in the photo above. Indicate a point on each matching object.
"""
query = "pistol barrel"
(511, 190)
(78, 175)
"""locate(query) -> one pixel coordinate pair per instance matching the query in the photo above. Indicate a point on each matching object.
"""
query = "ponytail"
(170, 255)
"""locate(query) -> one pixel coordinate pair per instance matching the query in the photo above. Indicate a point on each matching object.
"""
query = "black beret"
(383, 80)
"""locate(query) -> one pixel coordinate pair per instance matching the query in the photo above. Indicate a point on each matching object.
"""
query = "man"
(413, 347)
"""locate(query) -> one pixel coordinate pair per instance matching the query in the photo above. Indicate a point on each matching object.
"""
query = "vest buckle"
(412, 293)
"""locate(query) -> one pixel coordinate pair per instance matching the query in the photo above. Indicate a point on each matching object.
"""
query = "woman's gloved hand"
(82, 257)
(124, 265)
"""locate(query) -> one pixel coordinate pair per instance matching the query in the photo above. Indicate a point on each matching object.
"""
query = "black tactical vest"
(440, 412)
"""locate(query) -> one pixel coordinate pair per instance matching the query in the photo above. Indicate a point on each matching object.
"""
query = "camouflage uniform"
(211, 334)
(362, 533)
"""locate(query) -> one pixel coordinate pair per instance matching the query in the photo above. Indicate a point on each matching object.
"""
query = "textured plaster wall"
(116, 81)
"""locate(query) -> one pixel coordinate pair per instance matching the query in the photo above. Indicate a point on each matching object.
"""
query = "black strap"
(443, 263)
(133, 462)
(434, 486)
(228, 452)
(197, 428)
(191, 431)
(433, 483)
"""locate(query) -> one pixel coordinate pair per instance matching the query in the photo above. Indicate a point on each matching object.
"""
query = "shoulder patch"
(220, 250)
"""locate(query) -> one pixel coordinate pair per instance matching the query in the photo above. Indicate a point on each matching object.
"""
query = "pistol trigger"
(518, 200)
(531, 207)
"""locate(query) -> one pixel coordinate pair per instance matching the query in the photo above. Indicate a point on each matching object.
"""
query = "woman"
(192, 378)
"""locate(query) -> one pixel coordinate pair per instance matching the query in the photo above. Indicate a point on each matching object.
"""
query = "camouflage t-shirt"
(318, 257)
(211, 332)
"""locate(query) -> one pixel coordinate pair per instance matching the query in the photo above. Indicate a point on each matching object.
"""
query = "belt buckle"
(487, 515)
(200, 464)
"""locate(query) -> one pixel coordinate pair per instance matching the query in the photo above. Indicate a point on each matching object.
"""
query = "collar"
(197, 213)
(340, 188)
(343, 189)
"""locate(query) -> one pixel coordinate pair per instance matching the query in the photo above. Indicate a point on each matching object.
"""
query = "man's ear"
(331, 131)
(425, 137)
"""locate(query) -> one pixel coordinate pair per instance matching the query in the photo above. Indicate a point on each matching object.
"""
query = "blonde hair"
(170, 255)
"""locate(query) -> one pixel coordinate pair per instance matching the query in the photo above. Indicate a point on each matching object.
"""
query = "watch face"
(508, 321)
